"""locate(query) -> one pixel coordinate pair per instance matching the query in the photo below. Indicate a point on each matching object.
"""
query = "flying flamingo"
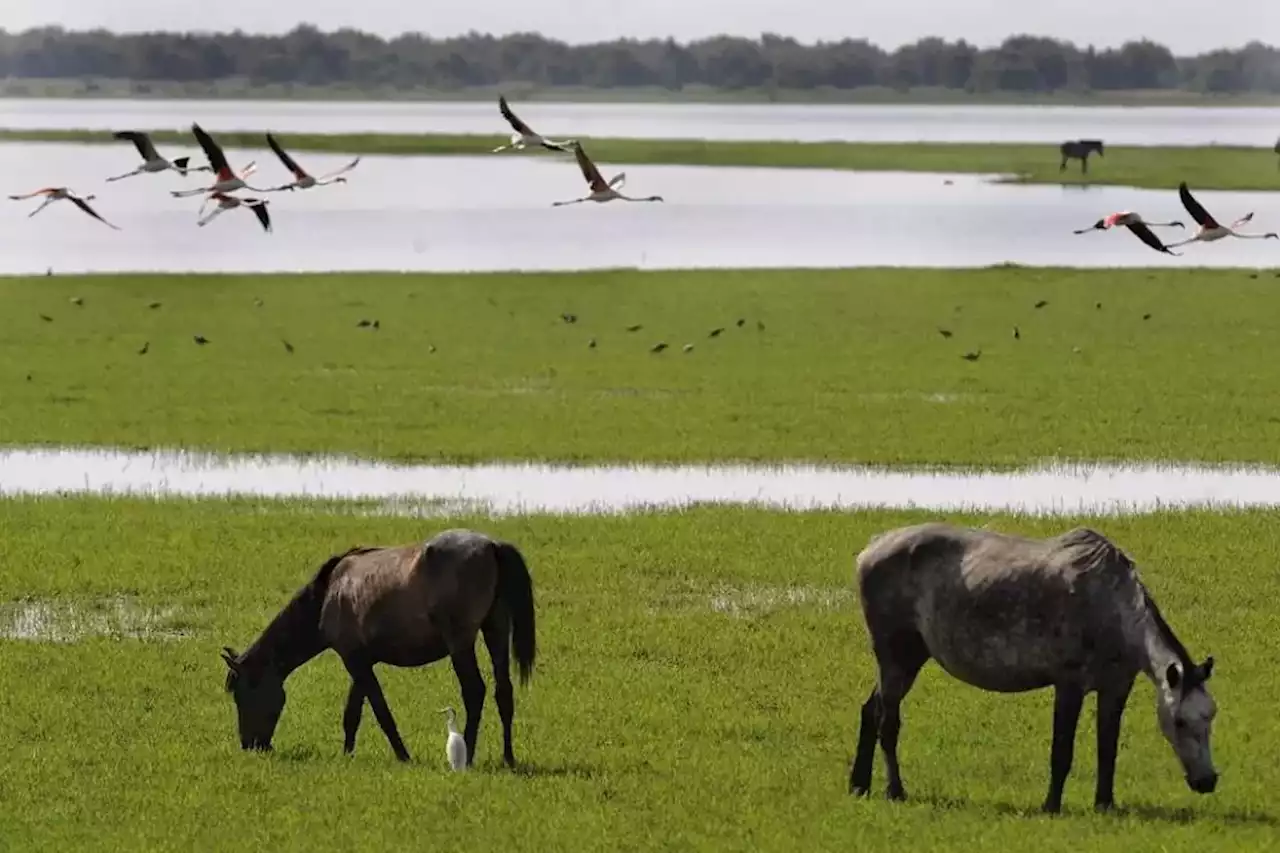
(524, 134)
(301, 180)
(52, 194)
(227, 179)
(1135, 223)
(601, 191)
(151, 159)
(1209, 229)
(229, 202)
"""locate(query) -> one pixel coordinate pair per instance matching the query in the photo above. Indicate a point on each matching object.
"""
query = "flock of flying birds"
(1210, 229)
(229, 180)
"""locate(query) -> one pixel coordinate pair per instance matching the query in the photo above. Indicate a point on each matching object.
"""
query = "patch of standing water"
(515, 488)
(52, 621)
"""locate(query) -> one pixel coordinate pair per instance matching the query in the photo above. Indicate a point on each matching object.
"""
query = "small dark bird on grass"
(364, 324)
(1146, 316)
(288, 347)
(154, 305)
(257, 301)
(760, 325)
(716, 332)
(946, 333)
(741, 322)
(637, 327)
(569, 318)
(972, 356)
(46, 318)
(658, 347)
(1042, 303)
(200, 339)
(1098, 305)
(146, 346)
(591, 344)
(688, 347)
(431, 347)
(1017, 335)
(76, 300)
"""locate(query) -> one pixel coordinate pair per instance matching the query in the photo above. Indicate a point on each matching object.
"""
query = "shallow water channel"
(501, 489)
(493, 213)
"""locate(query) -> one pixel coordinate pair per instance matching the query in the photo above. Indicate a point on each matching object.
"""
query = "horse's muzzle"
(1203, 784)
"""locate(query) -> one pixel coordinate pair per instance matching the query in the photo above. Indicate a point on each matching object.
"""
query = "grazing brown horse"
(1010, 614)
(407, 606)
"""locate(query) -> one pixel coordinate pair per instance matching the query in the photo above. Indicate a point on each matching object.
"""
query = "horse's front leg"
(1068, 699)
(472, 685)
(362, 676)
(1111, 702)
(351, 717)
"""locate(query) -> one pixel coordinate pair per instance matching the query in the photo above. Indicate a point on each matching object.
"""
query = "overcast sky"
(1187, 26)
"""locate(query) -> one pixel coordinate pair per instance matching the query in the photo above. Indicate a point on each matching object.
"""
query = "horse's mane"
(300, 607)
(1166, 633)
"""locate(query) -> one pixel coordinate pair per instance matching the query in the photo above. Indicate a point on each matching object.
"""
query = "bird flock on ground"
(228, 180)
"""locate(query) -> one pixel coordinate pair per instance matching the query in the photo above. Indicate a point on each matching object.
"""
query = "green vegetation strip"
(698, 686)
(1216, 167)
(850, 365)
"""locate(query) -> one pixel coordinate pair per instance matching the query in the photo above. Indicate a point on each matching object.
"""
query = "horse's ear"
(1173, 675)
(229, 655)
(1206, 668)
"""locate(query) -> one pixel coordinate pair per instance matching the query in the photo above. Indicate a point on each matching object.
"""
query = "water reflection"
(494, 213)
(804, 122)
(525, 488)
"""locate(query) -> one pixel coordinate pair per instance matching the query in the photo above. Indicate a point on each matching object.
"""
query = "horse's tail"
(515, 589)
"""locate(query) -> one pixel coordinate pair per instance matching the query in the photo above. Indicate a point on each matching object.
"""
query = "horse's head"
(1186, 711)
(259, 693)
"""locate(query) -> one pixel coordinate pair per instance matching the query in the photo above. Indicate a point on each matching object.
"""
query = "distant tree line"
(1024, 64)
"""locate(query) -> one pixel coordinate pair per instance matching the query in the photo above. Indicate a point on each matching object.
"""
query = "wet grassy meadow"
(701, 669)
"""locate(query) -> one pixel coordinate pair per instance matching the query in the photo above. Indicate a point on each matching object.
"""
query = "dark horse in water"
(1009, 614)
(406, 606)
(1079, 149)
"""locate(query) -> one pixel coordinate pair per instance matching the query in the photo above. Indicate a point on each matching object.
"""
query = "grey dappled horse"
(1010, 614)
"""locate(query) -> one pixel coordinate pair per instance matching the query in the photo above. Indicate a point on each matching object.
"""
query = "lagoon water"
(1253, 126)
(501, 489)
(493, 212)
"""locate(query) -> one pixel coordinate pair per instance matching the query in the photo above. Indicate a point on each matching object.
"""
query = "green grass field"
(243, 88)
(850, 365)
(1216, 167)
(660, 717)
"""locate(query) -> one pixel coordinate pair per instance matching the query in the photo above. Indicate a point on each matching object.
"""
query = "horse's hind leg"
(362, 676)
(471, 683)
(900, 663)
(497, 638)
(864, 758)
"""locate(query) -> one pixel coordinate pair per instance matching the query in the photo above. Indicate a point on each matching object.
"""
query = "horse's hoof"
(898, 796)
(1051, 808)
(1104, 807)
